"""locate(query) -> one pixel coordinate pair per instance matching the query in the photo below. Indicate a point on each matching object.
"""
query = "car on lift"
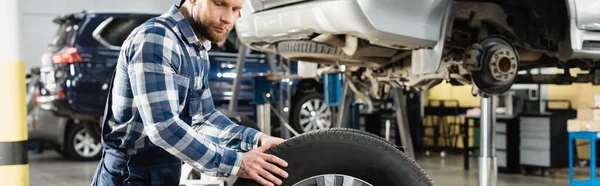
(418, 44)
(77, 68)
(385, 44)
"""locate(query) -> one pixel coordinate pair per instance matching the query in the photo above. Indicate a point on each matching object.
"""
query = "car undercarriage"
(485, 43)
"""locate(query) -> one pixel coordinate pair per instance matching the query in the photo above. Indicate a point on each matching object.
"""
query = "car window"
(64, 35)
(117, 30)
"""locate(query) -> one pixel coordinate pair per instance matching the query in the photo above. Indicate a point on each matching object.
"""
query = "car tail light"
(61, 94)
(69, 56)
(35, 97)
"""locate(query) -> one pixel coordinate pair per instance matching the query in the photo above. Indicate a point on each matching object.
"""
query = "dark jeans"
(152, 167)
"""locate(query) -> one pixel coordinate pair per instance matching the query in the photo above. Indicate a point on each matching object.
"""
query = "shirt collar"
(186, 29)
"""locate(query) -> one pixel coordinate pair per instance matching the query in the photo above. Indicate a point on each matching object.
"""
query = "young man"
(160, 110)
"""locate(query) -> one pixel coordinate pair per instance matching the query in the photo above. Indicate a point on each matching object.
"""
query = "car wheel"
(310, 113)
(499, 66)
(80, 145)
(311, 51)
(345, 157)
(94, 129)
(60, 151)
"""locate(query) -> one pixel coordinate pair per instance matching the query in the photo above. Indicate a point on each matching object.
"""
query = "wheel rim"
(314, 115)
(84, 144)
(332, 180)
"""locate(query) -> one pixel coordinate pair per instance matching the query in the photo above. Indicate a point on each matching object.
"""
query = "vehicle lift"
(336, 95)
(488, 166)
(267, 89)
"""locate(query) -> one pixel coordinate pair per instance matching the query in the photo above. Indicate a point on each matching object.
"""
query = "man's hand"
(259, 166)
(266, 140)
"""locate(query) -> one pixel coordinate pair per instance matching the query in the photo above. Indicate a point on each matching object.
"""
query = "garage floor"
(50, 169)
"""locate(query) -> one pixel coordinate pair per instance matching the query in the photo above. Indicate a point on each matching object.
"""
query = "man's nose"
(229, 17)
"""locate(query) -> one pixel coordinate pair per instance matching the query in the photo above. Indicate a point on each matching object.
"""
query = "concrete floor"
(49, 169)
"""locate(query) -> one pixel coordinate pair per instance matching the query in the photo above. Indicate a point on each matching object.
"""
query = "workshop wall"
(446, 91)
(581, 95)
(37, 28)
(450, 125)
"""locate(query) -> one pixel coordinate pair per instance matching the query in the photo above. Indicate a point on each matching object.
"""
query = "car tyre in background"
(345, 157)
(80, 145)
(94, 128)
(311, 51)
(310, 112)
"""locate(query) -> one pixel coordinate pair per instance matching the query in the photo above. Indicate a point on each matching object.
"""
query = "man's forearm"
(177, 138)
(222, 130)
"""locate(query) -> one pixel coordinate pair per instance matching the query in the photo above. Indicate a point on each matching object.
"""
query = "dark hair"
(181, 4)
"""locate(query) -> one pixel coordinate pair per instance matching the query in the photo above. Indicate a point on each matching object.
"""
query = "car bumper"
(577, 47)
(393, 23)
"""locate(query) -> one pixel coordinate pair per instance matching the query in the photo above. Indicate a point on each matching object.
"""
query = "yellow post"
(14, 168)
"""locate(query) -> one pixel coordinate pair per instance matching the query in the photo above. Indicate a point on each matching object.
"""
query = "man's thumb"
(264, 147)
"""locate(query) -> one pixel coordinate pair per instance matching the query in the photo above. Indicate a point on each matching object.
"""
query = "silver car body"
(383, 22)
(584, 26)
(404, 24)
(44, 126)
(42, 123)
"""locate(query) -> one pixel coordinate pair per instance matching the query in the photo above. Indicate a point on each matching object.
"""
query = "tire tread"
(356, 136)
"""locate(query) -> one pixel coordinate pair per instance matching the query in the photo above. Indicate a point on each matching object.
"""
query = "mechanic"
(160, 111)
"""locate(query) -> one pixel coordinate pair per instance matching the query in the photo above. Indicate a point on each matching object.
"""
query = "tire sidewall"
(70, 150)
(297, 108)
(346, 152)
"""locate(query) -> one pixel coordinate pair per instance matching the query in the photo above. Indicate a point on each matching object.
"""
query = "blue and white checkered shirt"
(150, 91)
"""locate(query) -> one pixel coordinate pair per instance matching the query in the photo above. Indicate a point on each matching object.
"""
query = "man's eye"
(219, 3)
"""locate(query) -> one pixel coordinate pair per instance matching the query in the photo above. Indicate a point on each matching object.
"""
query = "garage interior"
(532, 132)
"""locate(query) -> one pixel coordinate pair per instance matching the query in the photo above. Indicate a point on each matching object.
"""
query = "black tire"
(346, 152)
(60, 151)
(295, 112)
(71, 151)
(94, 128)
(310, 47)
(323, 53)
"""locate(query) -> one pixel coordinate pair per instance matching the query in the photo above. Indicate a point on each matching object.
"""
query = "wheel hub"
(332, 180)
(314, 115)
(85, 145)
(503, 65)
(499, 64)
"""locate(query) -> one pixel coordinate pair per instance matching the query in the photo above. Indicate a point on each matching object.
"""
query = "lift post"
(333, 93)
(14, 163)
(488, 168)
(402, 121)
(262, 95)
(239, 70)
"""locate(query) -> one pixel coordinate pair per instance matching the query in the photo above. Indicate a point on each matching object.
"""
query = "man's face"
(214, 19)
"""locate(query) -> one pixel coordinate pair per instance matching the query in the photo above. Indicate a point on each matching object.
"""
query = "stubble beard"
(205, 30)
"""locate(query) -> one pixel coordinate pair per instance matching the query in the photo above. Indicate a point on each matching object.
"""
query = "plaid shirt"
(150, 92)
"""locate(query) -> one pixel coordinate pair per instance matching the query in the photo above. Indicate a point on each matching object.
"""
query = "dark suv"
(76, 70)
